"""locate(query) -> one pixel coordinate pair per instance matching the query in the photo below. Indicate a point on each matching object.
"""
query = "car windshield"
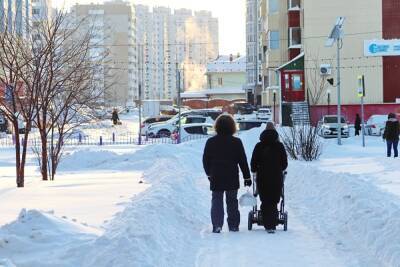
(333, 120)
(377, 119)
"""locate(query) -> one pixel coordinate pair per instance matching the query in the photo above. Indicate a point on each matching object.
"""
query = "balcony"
(294, 5)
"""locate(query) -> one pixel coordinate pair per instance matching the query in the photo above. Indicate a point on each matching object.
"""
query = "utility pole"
(336, 36)
(140, 92)
(256, 51)
(361, 95)
(178, 86)
(339, 108)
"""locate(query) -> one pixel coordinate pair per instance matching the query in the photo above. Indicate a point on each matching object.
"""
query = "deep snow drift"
(336, 218)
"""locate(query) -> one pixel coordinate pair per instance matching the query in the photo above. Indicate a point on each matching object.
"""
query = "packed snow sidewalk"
(336, 218)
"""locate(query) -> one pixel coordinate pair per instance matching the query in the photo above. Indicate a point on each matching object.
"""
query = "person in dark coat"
(269, 161)
(391, 135)
(115, 117)
(223, 154)
(357, 124)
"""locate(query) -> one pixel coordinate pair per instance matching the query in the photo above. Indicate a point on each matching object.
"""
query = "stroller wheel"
(285, 221)
(250, 221)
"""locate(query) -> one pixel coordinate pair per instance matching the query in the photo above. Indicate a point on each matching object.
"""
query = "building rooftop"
(227, 64)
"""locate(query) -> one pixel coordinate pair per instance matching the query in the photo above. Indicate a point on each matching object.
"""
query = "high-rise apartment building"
(170, 41)
(15, 16)
(253, 65)
(114, 27)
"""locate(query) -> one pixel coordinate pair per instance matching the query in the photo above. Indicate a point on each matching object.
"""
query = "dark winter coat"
(114, 116)
(357, 123)
(392, 130)
(222, 155)
(269, 160)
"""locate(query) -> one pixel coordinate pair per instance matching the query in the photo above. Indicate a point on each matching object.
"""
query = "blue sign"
(382, 48)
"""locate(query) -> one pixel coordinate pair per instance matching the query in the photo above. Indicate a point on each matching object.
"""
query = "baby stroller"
(255, 215)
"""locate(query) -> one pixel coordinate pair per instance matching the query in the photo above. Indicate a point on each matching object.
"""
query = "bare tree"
(67, 84)
(316, 83)
(302, 142)
(17, 81)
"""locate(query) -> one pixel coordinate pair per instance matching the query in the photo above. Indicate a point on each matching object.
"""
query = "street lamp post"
(336, 36)
(274, 99)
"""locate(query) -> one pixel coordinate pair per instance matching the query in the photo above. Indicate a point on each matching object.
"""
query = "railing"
(126, 139)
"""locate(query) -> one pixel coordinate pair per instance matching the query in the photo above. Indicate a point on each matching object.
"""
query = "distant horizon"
(232, 38)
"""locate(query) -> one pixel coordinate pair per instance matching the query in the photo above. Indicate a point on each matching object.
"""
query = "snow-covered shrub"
(302, 142)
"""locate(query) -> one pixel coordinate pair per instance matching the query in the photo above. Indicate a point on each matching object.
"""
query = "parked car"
(376, 125)
(264, 114)
(329, 125)
(146, 123)
(193, 131)
(239, 108)
(164, 129)
(244, 125)
(212, 113)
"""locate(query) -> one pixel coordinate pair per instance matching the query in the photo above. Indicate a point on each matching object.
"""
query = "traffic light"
(330, 81)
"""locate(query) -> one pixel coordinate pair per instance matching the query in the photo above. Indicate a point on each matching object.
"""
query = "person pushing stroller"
(268, 162)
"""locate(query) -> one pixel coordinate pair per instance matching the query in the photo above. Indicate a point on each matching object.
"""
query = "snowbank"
(162, 227)
(354, 214)
(41, 239)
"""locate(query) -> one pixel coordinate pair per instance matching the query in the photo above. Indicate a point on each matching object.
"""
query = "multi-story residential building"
(15, 16)
(253, 66)
(168, 42)
(42, 10)
(225, 78)
(227, 72)
(114, 27)
(295, 52)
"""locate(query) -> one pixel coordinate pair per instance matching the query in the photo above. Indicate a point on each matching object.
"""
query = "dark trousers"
(232, 208)
(269, 211)
(394, 144)
(357, 132)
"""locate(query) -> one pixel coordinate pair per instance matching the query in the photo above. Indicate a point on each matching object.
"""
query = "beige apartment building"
(297, 63)
(114, 24)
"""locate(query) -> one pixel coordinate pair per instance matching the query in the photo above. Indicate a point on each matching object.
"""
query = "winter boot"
(233, 229)
(217, 230)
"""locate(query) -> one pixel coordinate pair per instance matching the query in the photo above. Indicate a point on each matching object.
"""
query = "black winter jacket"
(269, 160)
(392, 130)
(222, 155)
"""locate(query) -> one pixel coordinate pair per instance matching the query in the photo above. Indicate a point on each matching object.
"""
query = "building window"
(294, 36)
(294, 4)
(273, 6)
(220, 82)
(35, 11)
(297, 84)
(273, 40)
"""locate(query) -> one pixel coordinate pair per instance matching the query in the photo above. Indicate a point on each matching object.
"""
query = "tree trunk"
(43, 167)
(18, 165)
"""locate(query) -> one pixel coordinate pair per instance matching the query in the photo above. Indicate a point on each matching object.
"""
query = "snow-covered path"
(336, 218)
(299, 246)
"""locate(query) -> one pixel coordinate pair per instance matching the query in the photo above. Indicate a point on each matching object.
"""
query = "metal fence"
(126, 139)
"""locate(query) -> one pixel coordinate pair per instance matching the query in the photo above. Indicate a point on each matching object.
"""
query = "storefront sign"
(378, 48)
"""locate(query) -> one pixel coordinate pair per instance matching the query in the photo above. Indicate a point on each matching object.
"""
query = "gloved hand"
(247, 182)
(209, 178)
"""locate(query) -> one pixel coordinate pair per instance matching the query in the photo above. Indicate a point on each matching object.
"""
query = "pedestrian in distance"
(222, 157)
(268, 162)
(357, 125)
(391, 135)
(115, 117)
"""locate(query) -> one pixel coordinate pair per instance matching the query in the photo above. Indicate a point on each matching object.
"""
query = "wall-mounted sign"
(378, 48)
